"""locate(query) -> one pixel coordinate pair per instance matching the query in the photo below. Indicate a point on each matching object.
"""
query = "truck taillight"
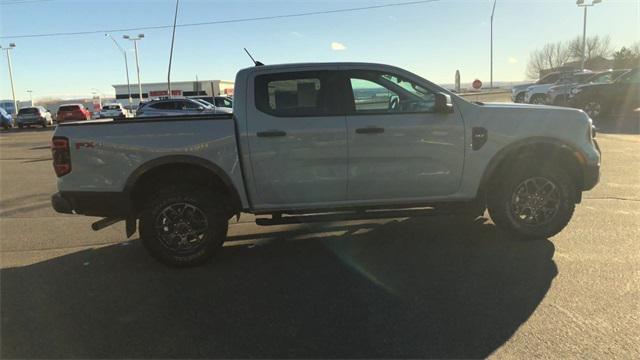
(61, 155)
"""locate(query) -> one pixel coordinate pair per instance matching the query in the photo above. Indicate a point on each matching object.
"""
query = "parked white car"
(537, 94)
(114, 110)
(325, 142)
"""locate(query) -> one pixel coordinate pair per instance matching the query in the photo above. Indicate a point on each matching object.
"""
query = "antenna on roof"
(256, 63)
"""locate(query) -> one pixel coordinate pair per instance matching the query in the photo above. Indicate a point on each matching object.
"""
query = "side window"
(631, 78)
(380, 93)
(165, 105)
(291, 94)
(369, 96)
(188, 105)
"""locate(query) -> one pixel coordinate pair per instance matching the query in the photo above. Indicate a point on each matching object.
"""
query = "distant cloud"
(392, 18)
(512, 60)
(296, 34)
(336, 46)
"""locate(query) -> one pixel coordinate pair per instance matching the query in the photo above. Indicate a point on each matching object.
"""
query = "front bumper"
(591, 171)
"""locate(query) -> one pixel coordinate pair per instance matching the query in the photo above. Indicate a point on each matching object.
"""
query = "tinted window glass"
(28, 111)
(164, 105)
(631, 78)
(376, 92)
(69, 108)
(549, 79)
(292, 94)
(111, 107)
(601, 78)
(188, 105)
(222, 102)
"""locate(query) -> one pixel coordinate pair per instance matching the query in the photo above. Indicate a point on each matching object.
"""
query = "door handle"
(271, 133)
(370, 130)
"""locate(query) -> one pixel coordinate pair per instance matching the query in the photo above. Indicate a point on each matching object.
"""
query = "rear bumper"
(91, 203)
(31, 121)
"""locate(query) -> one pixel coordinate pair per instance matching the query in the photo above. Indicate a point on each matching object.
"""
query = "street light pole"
(581, 4)
(135, 45)
(492, 12)
(30, 97)
(126, 65)
(13, 89)
(173, 37)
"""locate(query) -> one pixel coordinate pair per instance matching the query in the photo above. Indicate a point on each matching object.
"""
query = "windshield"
(29, 111)
(111, 107)
(69, 108)
(549, 79)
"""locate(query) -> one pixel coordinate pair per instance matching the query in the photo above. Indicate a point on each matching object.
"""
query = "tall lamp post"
(30, 97)
(493, 10)
(581, 4)
(126, 65)
(135, 45)
(13, 89)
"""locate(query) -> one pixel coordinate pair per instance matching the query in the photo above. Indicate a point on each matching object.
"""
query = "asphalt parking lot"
(411, 287)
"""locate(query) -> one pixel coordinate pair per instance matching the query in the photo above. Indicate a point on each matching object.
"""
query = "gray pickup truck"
(325, 142)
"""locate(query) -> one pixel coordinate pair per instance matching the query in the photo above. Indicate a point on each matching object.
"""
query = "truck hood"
(517, 106)
(543, 110)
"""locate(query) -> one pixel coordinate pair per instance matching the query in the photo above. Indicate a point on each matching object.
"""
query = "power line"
(18, 2)
(217, 22)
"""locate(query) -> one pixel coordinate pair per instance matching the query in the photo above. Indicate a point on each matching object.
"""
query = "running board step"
(345, 216)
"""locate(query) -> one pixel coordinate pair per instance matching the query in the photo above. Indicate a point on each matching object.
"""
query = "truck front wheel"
(533, 201)
(183, 225)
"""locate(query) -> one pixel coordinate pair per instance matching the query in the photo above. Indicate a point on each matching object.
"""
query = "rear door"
(399, 148)
(297, 140)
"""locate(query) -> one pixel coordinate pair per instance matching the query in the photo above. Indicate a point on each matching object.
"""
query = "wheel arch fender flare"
(214, 169)
(524, 146)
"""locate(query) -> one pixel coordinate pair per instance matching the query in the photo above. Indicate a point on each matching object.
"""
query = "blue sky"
(432, 39)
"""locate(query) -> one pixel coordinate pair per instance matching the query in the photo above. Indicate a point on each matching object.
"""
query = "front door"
(400, 150)
(297, 140)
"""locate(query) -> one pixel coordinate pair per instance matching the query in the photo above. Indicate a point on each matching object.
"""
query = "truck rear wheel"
(183, 225)
(533, 201)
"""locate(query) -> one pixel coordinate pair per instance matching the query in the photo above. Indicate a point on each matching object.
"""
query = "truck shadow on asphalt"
(420, 288)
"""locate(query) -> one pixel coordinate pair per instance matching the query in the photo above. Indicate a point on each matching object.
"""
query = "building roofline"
(174, 82)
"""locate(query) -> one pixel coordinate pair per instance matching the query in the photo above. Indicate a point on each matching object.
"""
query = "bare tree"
(627, 57)
(552, 55)
(596, 47)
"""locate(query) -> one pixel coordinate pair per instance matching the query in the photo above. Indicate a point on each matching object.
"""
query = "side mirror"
(200, 108)
(443, 103)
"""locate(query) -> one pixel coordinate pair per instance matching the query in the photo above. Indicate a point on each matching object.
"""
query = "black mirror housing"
(443, 103)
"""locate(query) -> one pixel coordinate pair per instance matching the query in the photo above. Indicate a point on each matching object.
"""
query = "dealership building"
(178, 88)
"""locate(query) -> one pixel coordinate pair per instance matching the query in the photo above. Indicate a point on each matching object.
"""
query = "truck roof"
(319, 65)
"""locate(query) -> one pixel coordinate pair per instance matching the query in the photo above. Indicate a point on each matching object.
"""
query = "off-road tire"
(500, 204)
(208, 203)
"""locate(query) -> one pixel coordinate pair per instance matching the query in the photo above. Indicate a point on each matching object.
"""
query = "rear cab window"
(69, 108)
(295, 94)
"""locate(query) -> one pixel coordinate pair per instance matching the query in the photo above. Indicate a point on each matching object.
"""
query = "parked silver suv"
(34, 115)
(175, 107)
